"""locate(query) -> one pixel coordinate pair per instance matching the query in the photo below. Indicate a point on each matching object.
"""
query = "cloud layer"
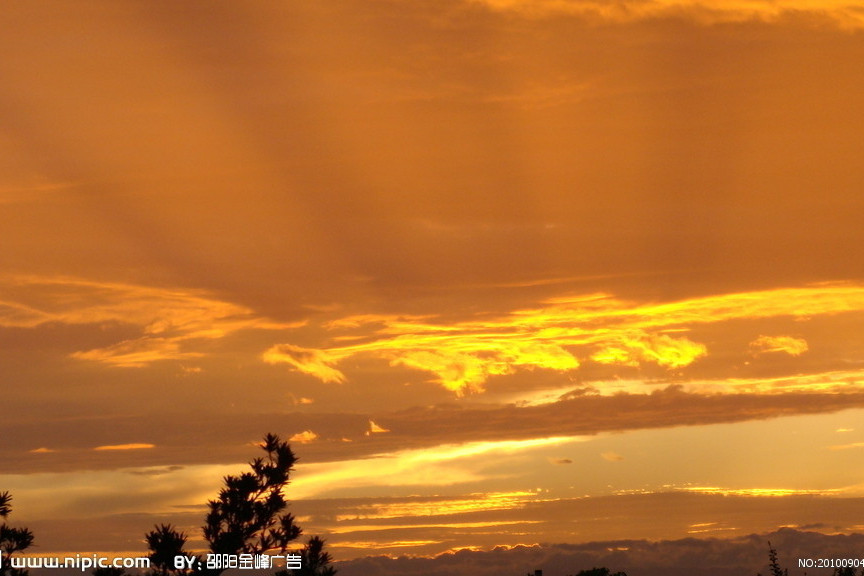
(502, 271)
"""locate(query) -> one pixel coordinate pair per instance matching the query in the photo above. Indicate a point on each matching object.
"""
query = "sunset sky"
(503, 271)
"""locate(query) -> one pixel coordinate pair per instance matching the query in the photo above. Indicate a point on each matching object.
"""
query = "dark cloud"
(684, 557)
(195, 438)
(156, 471)
(620, 531)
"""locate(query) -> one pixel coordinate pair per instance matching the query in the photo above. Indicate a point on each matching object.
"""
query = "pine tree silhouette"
(12, 540)
(599, 572)
(313, 559)
(248, 517)
(166, 544)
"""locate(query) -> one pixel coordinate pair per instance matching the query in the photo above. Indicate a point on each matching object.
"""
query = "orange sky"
(504, 271)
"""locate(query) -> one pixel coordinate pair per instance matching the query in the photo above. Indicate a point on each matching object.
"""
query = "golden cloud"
(847, 446)
(462, 356)
(788, 344)
(440, 465)
(304, 437)
(317, 363)
(375, 428)
(125, 447)
(169, 318)
(844, 14)
(761, 492)
(137, 353)
(834, 382)
(662, 350)
(417, 507)
(354, 527)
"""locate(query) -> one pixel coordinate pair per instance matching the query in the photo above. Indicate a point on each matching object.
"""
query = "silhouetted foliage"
(774, 564)
(313, 559)
(599, 572)
(248, 515)
(165, 543)
(12, 540)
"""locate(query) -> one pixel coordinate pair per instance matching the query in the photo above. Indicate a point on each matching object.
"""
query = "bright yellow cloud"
(763, 492)
(662, 350)
(419, 511)
(317, 363)
(125, 447)
(379, 544)
(479, 502)
(467, 369)
(462, 356)
(304, 437)
(444, 465)
(788, 344)
(838, 381)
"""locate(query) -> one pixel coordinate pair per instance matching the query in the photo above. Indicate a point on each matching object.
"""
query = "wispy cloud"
(788, 344)
(848, 446)
(442, 465)
(133, 446)
(462, 356)
(662, 350)
(137, 353)
(167, 319)
(317, 363)
(760, 492)
(611, 456)
(844, 13)
(441, 506)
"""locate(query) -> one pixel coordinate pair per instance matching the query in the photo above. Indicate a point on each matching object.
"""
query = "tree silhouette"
(12, 540)
(165, 544)
(776, 570)
(248, 517)
(773, 563)
(599, 572)
(313, 560)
